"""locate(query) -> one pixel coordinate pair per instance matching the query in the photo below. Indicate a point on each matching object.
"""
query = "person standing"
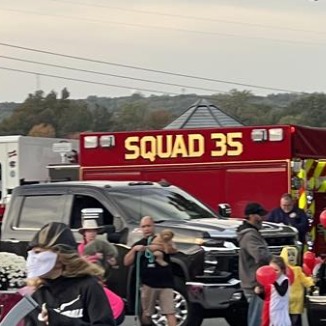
(253, 254)
(300, 283)
(157, 281)
(276, 296)
(290, 214)
(105, 255)
(89, 231)
(66, 286)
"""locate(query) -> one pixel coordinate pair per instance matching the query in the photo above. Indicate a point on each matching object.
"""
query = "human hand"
(257, 290)
(112, 261)
(154, 247)
(44, 315)
(92, 259)
(139, 248)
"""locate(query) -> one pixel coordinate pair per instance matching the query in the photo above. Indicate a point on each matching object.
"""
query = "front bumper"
(215, 295)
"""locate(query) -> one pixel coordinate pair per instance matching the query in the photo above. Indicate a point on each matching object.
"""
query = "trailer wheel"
(187, 314)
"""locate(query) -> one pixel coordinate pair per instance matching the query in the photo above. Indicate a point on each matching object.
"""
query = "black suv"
(205, 269)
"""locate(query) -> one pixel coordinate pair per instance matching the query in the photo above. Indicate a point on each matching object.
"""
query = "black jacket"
(78, 301)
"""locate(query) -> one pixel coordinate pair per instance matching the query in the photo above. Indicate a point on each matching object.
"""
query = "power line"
(109, 74)
(182, 30)
(147, 12)
(147, 69)
(86, 81)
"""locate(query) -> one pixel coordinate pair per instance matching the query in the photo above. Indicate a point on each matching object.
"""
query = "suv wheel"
(187, 314)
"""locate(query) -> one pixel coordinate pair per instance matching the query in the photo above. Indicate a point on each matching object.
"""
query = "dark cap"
(255, 208)
(54, 235)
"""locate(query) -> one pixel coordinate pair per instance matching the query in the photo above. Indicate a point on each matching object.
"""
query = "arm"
(274, 216)
(301, 221)
(282, 288)
(130, 256)
(257, 248)
(306, 281)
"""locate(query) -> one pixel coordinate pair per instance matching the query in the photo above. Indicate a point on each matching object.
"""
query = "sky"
(113, 48)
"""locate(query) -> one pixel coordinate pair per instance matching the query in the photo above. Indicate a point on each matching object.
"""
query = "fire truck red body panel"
(217, 165)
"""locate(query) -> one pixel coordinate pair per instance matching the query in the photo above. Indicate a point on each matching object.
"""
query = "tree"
(159, 119)
(42, 130)
(102, 119)
(131, 116)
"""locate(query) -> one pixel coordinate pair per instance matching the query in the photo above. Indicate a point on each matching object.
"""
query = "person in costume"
(300, 282)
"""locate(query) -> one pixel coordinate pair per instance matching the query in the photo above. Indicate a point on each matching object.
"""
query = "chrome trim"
(231, 282)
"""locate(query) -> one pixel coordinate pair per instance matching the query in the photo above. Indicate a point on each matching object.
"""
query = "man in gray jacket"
(254, 253)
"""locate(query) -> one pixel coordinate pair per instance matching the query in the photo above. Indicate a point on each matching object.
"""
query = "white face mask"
(40, 263)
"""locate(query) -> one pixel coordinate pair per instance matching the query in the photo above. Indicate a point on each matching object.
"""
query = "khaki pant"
(150, 295)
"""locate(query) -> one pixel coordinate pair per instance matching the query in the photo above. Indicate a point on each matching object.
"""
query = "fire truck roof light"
(275, 134)
(90, 142)
(107, 141)
(259, 135)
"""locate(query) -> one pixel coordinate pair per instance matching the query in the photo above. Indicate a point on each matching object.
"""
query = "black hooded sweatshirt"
(254, 253)
(77, 301)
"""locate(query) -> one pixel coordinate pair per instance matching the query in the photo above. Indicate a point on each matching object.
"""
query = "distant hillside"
(176, 105)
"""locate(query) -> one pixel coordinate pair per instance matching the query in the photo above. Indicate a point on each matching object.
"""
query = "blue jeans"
(255, 309)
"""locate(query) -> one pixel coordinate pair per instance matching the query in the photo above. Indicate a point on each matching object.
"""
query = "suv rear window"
(40, 210)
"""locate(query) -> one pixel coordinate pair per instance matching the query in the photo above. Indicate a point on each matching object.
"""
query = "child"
(164, 240)
(104, 254)
(300, 282)
(276, 297)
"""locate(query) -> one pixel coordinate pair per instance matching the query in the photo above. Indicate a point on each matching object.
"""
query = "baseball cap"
(255, 208)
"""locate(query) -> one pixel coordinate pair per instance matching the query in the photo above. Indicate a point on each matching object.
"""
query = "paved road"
(208, 322)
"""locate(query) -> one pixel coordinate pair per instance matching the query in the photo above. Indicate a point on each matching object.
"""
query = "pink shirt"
(116, 303)
(81, 248)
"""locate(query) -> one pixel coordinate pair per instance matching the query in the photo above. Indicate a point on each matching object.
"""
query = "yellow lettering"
(179, 147)
(167, 147)
(148, 148)
(229, 144)
(132, 147)
(220, 144)
(236, 145)
(196, 139)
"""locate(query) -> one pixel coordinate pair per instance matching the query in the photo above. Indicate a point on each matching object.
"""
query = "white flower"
(12, 270)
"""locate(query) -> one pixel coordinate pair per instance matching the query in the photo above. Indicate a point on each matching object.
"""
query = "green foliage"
(60, 116)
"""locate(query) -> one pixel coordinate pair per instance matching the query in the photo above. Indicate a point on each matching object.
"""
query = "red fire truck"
(220, 165)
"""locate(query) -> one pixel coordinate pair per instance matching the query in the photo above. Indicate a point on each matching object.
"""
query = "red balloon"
(309, 259)
(266, 275)
(322, 218)
(318, 260)
(290, 274)
(306, 270)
